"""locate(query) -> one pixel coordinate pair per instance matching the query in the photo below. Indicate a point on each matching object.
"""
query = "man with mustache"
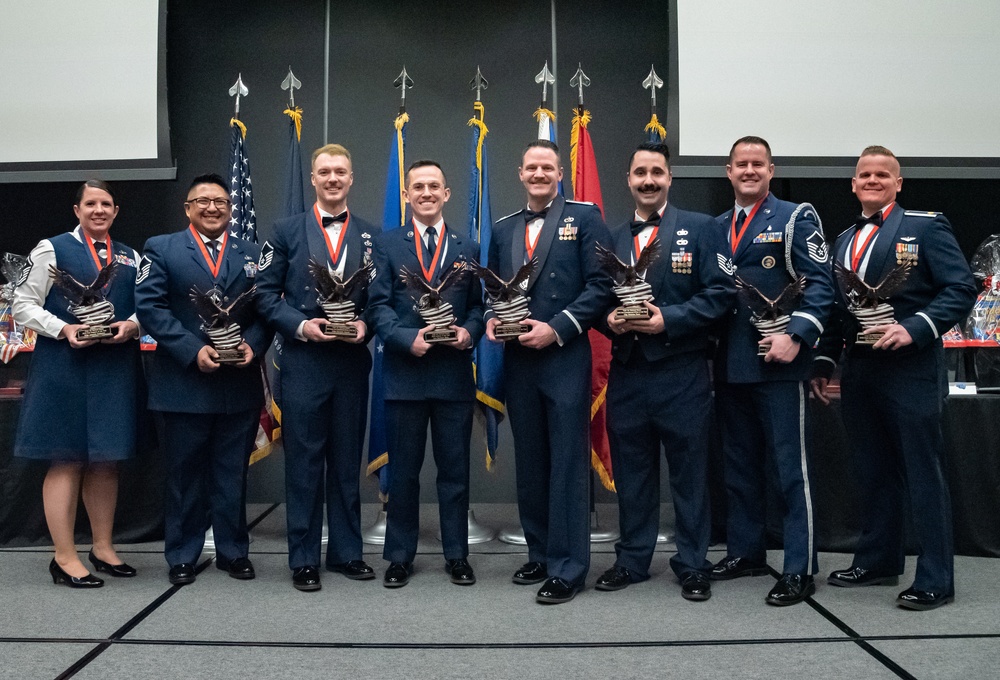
(659, 389)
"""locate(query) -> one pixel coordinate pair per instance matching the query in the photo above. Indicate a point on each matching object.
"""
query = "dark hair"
(751, 139)
(654, 147)
(541, 144)
(95, 184)
(425, 164)
(211, 178)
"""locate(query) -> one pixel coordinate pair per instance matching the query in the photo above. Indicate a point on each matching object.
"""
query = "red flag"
(587, 187)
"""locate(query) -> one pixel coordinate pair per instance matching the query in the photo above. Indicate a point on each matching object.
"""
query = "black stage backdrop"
(441, 44)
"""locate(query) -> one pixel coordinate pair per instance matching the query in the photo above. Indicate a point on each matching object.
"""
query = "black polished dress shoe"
(922, 600)
(306, 578)
(615, 578)
(855, 577)
(460, 571)
(556, 591)
(122, 570)
(181, 574)
(734, 567)
(397, 575)
(60, 576)
(791, 589)
(241, 568)
(356, 570)
(695, 586)
(530, 573)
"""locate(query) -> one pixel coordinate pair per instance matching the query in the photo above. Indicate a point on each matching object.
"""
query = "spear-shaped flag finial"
(238, 90)
(291, 83)
(579, 81)
(404, 83)
(652, 83)
(479, 84)
(546, 78)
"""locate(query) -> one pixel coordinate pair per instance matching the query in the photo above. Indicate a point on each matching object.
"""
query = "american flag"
(243, 223)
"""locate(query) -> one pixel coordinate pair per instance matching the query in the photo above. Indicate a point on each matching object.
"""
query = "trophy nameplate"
(632, 313)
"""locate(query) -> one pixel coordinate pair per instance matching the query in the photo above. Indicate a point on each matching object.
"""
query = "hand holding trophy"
(629, 284)
(434, 309)
(770, 317)
(87, 303)
(869, 304)
(335, 296)
(220, 325)
(507, 299)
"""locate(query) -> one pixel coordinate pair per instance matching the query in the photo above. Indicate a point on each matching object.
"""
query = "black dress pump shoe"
(60, 576)
(122, 569)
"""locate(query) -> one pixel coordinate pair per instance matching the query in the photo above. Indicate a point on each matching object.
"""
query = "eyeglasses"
(203, 203)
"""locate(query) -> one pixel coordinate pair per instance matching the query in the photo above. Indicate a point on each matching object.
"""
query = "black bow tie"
(860, 221)
(530, 215)
(637, 226)
(327, 220)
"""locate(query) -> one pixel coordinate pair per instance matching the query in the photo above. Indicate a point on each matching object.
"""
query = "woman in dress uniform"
(79, 408)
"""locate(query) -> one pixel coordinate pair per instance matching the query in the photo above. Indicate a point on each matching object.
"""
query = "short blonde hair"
(330, 150)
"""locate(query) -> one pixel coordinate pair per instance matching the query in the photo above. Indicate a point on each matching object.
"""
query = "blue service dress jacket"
(774, 246)
(173, 264)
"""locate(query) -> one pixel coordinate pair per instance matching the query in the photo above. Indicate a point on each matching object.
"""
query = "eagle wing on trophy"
(335, 295)
(86, 302)
(869, 304)
(507, 299)
(430, 304)
(770, 316)
(629, 285)
(219, 316)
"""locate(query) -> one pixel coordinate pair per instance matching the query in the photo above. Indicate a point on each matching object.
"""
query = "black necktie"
(327, 220)
(431, 246)
(860, 221)
(740, 219)
(213, 248)
(101, 249)
(637, 226)
(530, 215)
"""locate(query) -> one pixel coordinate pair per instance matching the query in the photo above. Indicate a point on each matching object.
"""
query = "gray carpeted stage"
(219, 627)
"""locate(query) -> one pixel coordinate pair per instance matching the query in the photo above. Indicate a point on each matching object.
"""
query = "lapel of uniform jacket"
(667, 235)
(545, 238)
(882, 257)
(761, 221)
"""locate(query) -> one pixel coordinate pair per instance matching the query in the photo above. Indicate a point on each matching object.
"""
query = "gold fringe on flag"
(539, 112)
(579, 121)
(238, 123)
(296, 115)
(654, 126)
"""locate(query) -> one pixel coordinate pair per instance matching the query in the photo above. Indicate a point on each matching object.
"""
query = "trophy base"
(507, 331)
(229, 356)
(869, 338)
(101, 331)
(340, 330)
(440, 335)
(630, 313)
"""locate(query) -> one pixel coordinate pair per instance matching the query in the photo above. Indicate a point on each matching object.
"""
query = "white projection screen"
(83, 90)
(822, 80)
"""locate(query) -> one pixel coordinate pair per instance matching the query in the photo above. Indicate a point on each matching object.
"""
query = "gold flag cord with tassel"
(478, 121)
(238, 123)
(579, 121)
(401, 120)
(654, 125)
(296, 115)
